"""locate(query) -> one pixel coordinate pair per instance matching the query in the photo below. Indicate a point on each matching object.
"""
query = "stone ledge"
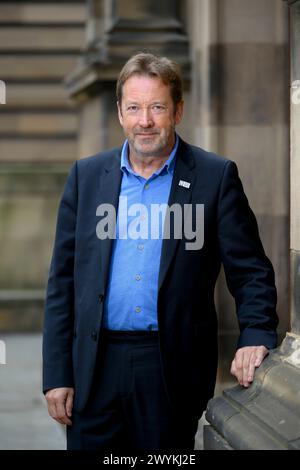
(21, 310)
(267, 414)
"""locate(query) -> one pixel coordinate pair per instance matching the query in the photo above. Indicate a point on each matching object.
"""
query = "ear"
(179, 112)
(120, 113)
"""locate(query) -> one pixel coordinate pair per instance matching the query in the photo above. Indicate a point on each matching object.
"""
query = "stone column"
(116, 30)
(239, 109)
(267, 414)
(295, 169)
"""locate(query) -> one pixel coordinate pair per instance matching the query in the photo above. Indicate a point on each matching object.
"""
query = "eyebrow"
(127, 103)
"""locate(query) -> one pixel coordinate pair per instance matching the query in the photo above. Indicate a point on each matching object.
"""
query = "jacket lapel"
(109, 189)
(181, 195)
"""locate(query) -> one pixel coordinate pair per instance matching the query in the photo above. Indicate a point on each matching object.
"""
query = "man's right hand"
(60, 404)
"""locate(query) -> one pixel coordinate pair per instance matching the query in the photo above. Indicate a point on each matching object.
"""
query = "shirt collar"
(167, 166)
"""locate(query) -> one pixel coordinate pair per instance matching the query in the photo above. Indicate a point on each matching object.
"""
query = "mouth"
(140, 134)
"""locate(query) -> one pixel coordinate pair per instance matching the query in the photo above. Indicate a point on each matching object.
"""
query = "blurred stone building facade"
(39, 44)
(60, 60)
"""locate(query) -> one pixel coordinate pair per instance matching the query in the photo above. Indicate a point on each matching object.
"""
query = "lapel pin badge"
(184, 184)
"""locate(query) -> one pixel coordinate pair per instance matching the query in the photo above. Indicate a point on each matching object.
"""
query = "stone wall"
(39, 44)
(240, 90)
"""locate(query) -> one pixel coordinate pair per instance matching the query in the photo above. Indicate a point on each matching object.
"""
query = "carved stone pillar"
(267, 414)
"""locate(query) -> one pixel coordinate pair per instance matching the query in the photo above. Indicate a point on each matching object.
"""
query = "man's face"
(148, 117)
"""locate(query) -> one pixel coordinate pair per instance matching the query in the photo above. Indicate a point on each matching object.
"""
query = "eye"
(158, 108)
(132, 108)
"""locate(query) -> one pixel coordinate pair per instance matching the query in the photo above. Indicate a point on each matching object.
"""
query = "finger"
(252, 368)
(50, 403)
(239, 357)
(69, 404)
(55, 414)
(245, 370)
(61, 414)
(233, 368)
(66, 421)
(249, 367)
(260, 355)
(52, 410)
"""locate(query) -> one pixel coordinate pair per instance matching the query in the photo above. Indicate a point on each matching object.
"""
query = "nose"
(145, 118)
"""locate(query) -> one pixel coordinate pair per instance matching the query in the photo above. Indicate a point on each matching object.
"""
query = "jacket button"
(94, 335)
(101, 296)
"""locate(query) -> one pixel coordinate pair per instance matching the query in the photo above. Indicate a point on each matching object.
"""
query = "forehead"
(142, 87)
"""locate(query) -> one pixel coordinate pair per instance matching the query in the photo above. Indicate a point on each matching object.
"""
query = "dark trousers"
(128, 408)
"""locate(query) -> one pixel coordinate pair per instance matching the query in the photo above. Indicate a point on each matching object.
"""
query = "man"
(130, 335)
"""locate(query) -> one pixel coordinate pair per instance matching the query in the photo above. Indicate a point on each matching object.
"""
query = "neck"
(146, 166)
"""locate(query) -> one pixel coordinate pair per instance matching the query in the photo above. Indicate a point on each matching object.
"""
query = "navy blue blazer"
(186, 311)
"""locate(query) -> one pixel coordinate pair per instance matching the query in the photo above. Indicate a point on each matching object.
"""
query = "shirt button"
(138, 309)
(140, 247)
(146, 186)
(138, 277)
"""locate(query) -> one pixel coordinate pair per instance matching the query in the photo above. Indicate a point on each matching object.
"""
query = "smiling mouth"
(147, 135)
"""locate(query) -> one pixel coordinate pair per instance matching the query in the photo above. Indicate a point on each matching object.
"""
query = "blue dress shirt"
(132, 288)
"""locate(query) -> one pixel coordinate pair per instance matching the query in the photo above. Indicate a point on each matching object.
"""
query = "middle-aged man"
(130, 334)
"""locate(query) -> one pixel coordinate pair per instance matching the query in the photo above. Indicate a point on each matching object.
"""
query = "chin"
(147, 150)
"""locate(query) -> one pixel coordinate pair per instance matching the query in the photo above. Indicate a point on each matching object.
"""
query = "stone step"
(36, 67)
(38, 150)
(36, 13)
(11, 314)
(20, 38)
(37, 95)
(26, 123)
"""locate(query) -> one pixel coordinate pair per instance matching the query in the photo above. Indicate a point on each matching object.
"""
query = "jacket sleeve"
(249, 273)
(59, 305)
